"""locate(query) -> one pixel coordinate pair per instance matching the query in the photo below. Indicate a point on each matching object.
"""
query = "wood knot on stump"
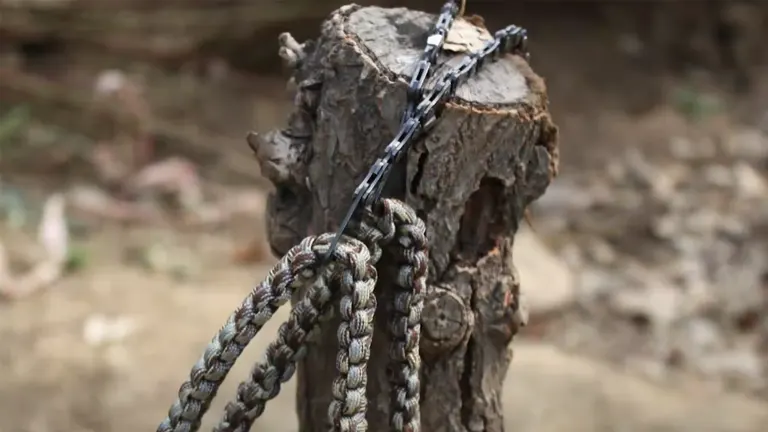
(490, 154)
(445, 324)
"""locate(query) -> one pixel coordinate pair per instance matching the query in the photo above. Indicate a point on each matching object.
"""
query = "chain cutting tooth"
(524, 45)
(379, 168)
(467, 68)
(415, 87)
(360, 187)
(393, 148)
(502, 34)
(449, 8)
(491, 50)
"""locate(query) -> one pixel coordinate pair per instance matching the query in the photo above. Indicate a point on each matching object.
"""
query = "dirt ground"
(106, 347)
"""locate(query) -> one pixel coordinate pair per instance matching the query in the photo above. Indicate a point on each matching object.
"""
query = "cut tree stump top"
(396, 39)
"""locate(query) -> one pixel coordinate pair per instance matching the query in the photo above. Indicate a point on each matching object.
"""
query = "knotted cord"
(390, 226)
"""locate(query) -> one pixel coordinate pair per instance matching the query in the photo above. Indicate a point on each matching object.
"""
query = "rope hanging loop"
(350, 275)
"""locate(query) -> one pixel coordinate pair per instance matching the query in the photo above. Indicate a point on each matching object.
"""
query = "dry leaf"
(465, 37)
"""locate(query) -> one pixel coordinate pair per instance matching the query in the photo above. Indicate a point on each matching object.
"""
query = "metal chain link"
(422, 111)
(424, 67)
(390, 226)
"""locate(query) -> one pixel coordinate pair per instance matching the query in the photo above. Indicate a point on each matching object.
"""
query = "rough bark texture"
(492, 152)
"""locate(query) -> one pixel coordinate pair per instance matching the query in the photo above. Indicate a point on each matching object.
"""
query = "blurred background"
(131, 210)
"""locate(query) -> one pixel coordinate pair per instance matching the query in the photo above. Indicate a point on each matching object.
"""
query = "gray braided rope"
(295, 270)
(391, 220)
(352, 271)
(396, 221)
(356, 276)
(350, 402)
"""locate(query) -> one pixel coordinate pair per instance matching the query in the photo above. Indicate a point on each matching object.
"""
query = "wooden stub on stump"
(491, 154)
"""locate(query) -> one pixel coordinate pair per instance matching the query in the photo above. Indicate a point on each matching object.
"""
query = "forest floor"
(645, 269)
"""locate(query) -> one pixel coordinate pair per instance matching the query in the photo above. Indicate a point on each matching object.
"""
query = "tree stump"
(492, 153)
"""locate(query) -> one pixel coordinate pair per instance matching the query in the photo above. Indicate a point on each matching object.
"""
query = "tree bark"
(492, 152)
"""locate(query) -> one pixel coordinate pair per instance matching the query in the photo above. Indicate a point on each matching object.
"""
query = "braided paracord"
(390, 221)
(356, 280)
(353, 272)
(410, 254)
(294, 271)
(350, 401)
(396, 228)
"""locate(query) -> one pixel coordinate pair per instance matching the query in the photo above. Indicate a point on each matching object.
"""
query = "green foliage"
(12, 124)
(77, 259)
(696, 105)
